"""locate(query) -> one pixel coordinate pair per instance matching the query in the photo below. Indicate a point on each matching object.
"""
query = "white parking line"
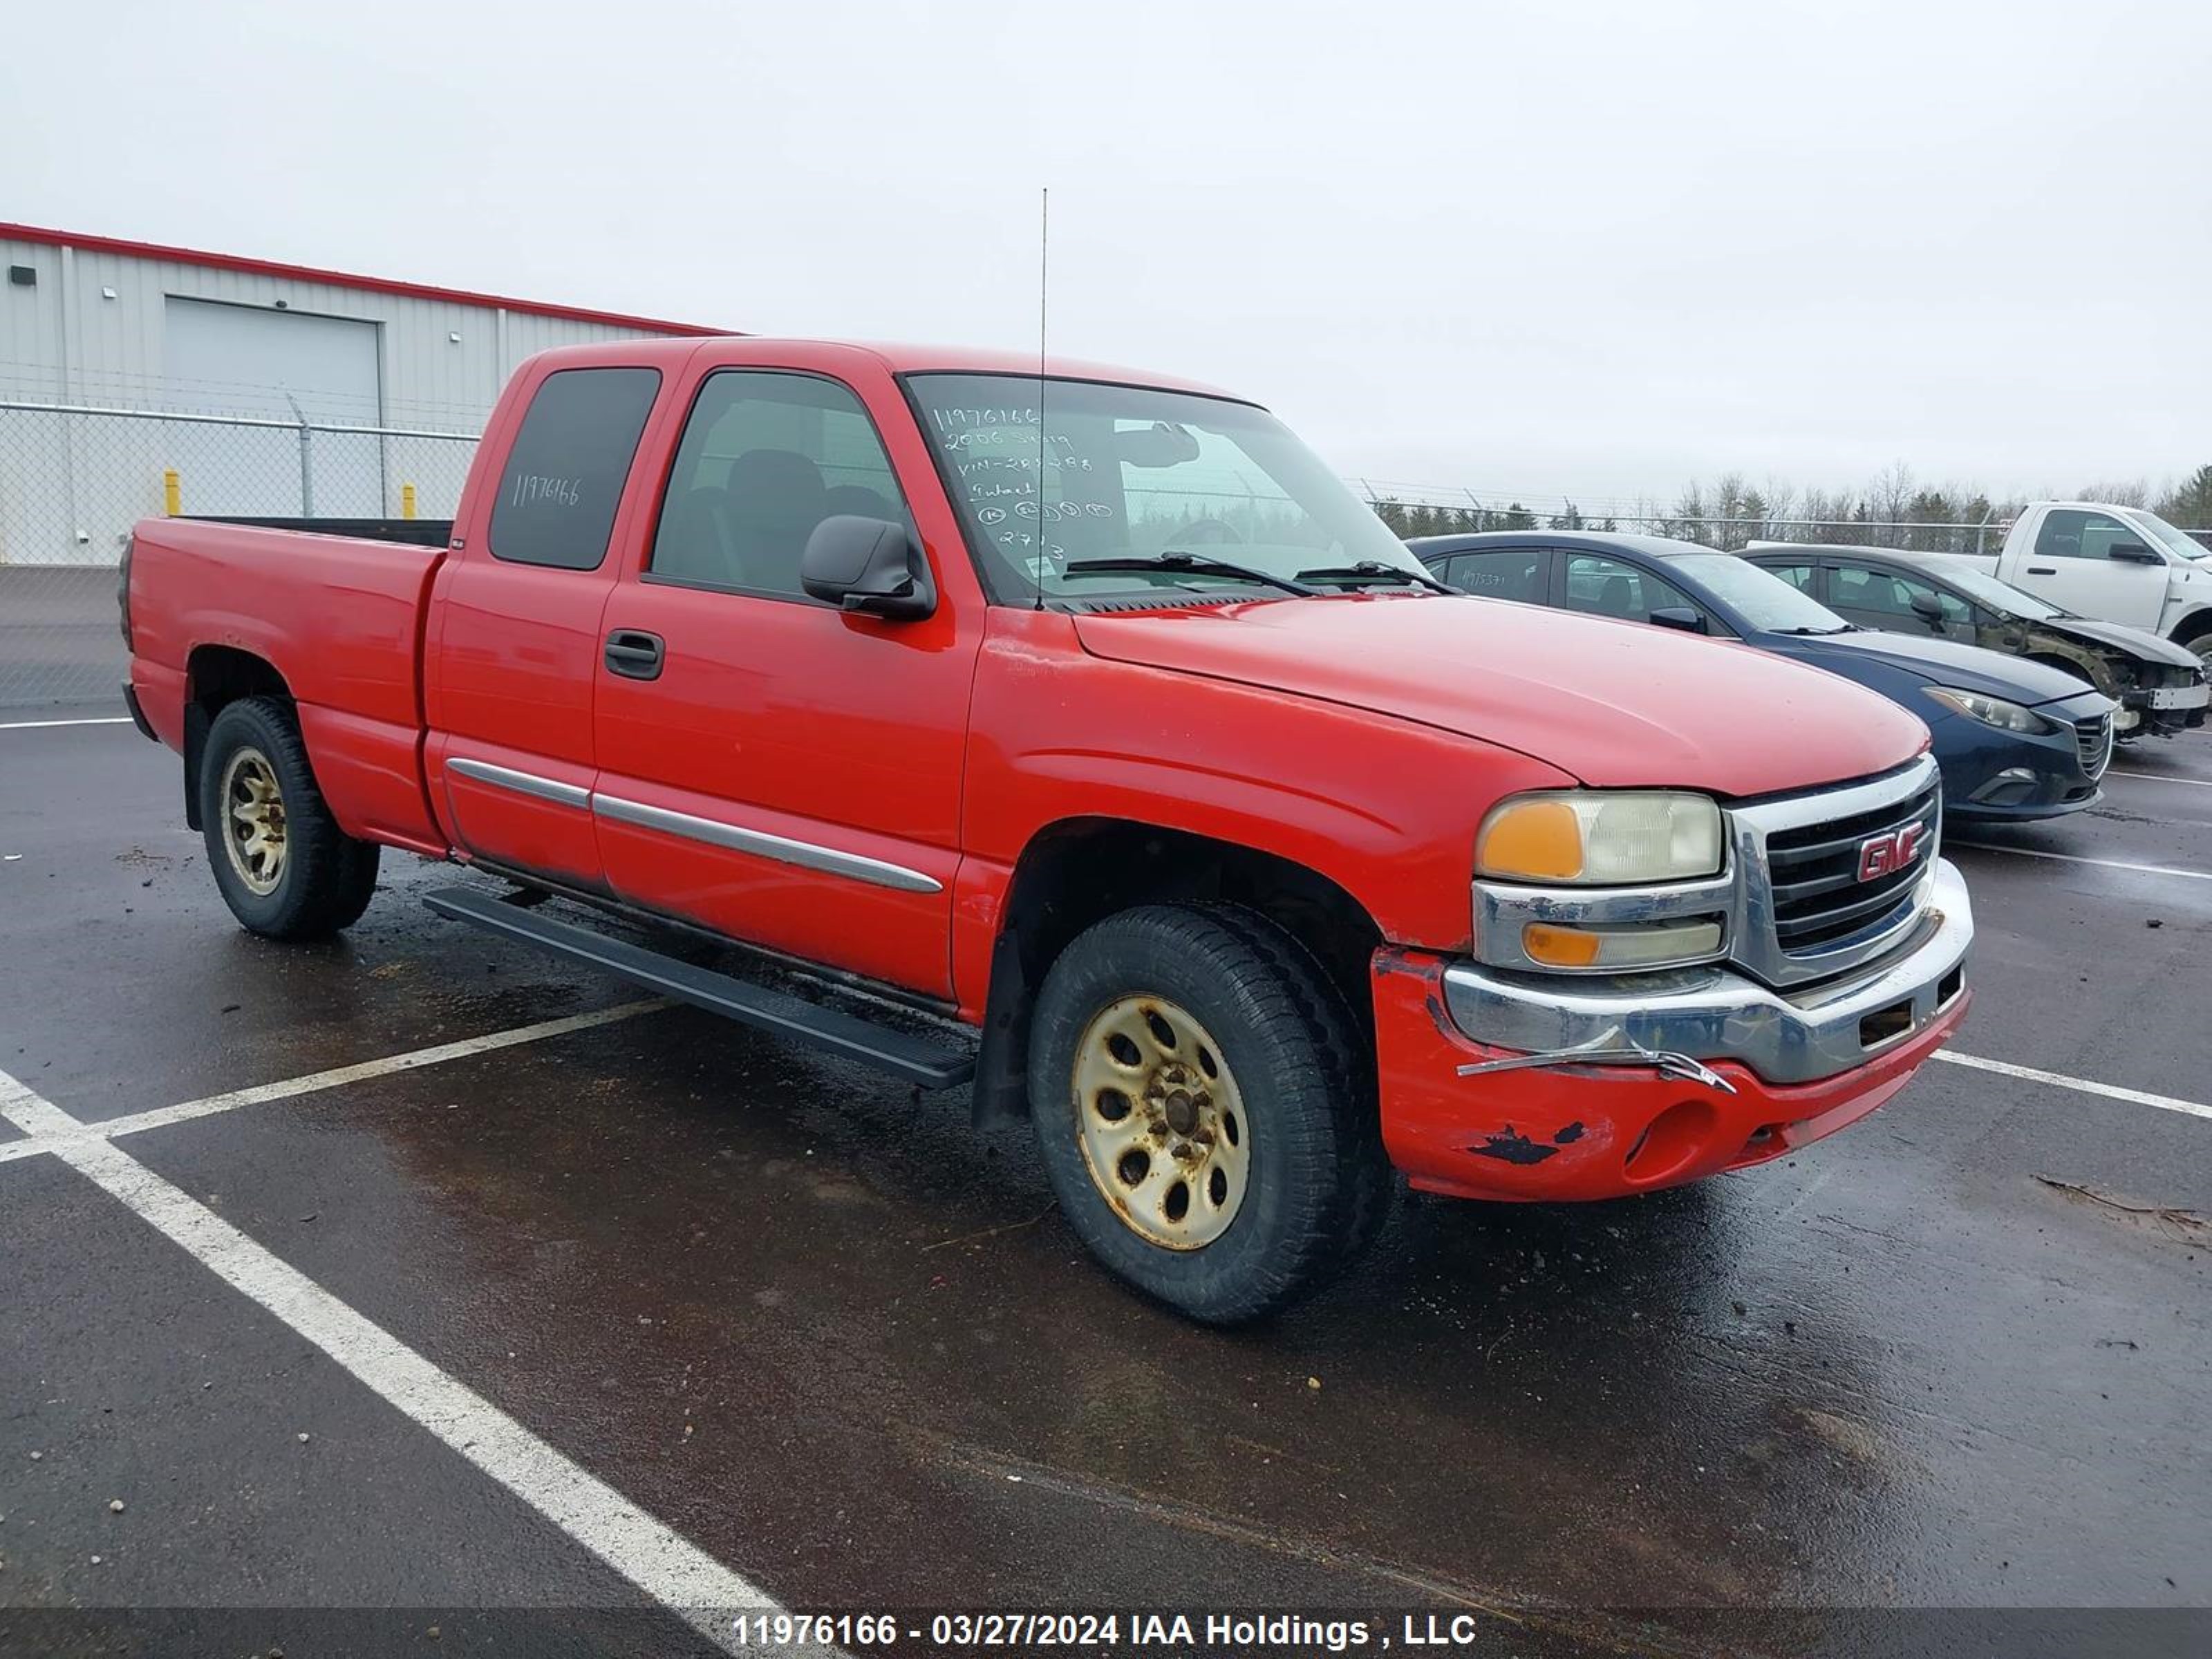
(2083, 1085)
(413, 1060)
(659, 1561)
(2158, 777)
(30, 726)
(2075, 858)
(160, 1117)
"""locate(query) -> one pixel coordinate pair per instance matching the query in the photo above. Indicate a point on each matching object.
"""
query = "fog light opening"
(2011, 787)
(1952, 984)
(1670, 1143)
(1884, 1024)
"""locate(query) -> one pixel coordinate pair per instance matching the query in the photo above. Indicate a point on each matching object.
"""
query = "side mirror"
(2132, 553)
(870, 566)
(1929, 610)
(1679, 615)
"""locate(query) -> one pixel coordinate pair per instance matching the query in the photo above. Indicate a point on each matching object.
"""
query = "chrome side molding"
(784, 850)
(520, 783)
(711, 832)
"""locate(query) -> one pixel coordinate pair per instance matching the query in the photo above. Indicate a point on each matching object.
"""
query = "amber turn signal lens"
(1536, 840)
(1560, 947)
(1654, 944)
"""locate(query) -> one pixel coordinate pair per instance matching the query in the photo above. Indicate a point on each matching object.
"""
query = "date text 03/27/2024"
(1081, 1631)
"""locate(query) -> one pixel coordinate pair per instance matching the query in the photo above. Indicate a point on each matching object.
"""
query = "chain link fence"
(74, 479)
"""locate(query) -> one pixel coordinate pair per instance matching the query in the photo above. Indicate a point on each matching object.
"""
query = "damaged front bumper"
(1716, 1013)
(1517, 1085)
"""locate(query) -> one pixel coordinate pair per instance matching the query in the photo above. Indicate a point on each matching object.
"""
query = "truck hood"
(1940, 662)
(2134, 641)
(1614, 704)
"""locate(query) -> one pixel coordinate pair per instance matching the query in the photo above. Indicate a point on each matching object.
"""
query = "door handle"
(635, 655)
(2042, 570)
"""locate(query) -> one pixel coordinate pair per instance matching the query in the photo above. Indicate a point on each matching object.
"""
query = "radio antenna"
(1044, 268)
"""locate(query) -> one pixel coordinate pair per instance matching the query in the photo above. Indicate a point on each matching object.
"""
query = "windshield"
(2179, 542)
(1766, 602)
(2001, 596)
(1134, 473)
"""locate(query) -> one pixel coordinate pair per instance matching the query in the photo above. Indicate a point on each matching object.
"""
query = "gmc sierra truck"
(1088, 715)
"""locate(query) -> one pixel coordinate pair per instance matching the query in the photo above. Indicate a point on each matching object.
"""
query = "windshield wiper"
(1374, 570)
(1821, 632)
(1197, 564)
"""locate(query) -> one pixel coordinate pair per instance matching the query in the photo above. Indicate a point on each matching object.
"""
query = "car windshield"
(2001, 596)
(2179, 542)
(1766, 602)
(1175, 485)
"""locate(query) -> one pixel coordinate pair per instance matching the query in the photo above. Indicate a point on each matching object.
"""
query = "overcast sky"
(1535, 249)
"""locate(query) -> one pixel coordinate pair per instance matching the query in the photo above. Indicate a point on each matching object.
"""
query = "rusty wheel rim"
(1161, 1122)
(253, 821)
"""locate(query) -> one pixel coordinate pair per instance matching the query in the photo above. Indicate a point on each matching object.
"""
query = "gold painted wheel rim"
(1161, 1122)
(253, 821)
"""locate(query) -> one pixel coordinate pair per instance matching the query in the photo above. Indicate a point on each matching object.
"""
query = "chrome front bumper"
(1717, 1013)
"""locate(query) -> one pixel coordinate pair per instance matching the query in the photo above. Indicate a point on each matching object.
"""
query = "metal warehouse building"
(136, 379)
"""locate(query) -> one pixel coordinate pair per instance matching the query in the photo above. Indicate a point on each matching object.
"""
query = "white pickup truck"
(2120, 564)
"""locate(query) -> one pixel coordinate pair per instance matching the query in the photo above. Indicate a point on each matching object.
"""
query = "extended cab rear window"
(564, 475)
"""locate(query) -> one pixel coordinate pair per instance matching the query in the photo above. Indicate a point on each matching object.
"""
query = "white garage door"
(243, 359)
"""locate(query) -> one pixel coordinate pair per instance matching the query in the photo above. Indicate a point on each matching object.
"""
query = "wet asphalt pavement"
(1957, 1358)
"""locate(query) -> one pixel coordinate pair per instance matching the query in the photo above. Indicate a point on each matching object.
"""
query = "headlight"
(1600, 837)
(1991, 711)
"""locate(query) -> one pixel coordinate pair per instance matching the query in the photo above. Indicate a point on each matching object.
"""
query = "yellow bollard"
(173, 498)
(407, 501)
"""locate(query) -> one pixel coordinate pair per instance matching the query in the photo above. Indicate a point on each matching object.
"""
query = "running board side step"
(915, 1058)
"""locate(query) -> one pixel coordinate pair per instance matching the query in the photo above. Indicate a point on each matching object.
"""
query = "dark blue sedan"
(2014, 740)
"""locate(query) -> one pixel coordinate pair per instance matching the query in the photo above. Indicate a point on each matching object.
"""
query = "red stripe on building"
(342, 279)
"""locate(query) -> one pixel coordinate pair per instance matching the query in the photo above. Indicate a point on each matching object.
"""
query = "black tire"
(1316, 1185)
(324, 878)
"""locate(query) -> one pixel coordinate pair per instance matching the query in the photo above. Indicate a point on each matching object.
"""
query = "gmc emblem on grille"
(1885, 855)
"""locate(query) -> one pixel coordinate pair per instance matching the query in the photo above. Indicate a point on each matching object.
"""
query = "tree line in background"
(1895, 510)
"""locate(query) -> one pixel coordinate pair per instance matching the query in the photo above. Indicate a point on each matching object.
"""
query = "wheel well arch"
(1077, 872)
(2194, 626)
(2083, 667)
(216, 676)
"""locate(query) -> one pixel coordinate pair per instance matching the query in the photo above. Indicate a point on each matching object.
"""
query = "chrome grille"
(1814, 872)
(2095, 739)
(1805, 914)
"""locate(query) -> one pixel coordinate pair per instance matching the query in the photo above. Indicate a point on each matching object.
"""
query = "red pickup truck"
(1086, 711)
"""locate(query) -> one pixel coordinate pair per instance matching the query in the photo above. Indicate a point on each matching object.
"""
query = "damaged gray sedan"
(2159, 686)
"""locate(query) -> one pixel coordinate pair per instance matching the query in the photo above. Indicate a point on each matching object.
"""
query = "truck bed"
(340, 616)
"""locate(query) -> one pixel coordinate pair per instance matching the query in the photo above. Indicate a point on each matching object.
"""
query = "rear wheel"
(1198, 1088)
(281, 863)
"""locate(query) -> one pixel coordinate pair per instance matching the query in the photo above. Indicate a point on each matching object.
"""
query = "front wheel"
(281, 863)
(1201, 1099)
